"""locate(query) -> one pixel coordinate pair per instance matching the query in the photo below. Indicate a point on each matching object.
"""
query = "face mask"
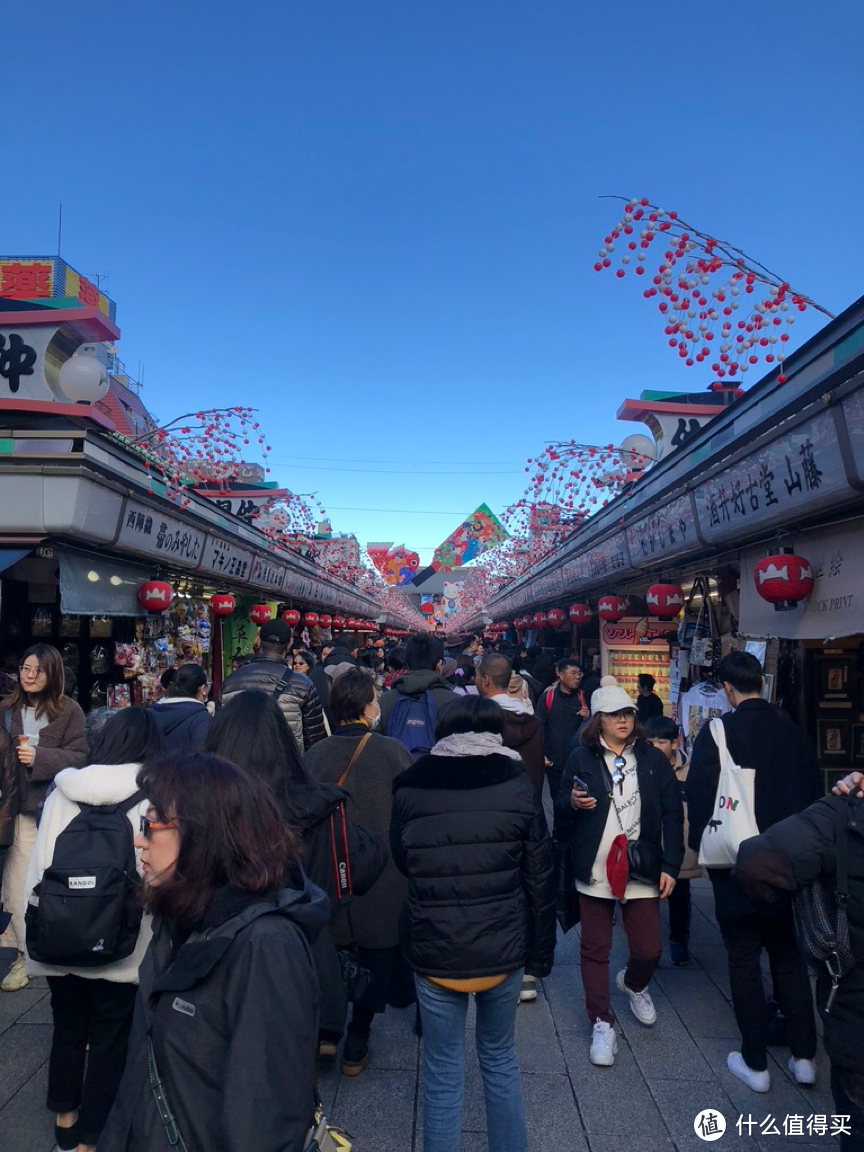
(376, 721)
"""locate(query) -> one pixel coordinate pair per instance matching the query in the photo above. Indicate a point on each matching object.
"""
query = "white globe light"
(638, 451)
(83, 379)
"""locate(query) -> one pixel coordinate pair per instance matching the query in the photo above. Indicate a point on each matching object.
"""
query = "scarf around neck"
(473, 744)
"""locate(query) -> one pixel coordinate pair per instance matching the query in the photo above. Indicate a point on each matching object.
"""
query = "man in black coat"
(787, 780)
(561, 710)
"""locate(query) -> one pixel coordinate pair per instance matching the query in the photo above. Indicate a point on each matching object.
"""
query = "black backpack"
(84, 913)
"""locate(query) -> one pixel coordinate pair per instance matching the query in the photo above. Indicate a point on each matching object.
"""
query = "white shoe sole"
(605, 1060)
(645, 1019)
(763, 1085)
(527, 996)
(805, 1082)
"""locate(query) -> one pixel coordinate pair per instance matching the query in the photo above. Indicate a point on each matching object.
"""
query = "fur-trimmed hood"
(459, 772)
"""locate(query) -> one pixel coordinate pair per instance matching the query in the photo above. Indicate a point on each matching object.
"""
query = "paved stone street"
(662, 1076)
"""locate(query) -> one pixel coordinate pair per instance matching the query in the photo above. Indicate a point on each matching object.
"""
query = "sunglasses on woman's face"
(148, 827)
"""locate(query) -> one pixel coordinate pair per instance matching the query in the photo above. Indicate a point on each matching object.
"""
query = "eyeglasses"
(148, 827)
(27, 670)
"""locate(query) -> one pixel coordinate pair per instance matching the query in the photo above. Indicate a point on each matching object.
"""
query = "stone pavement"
(662, 1078)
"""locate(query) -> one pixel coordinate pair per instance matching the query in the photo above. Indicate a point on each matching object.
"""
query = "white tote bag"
(734, 818)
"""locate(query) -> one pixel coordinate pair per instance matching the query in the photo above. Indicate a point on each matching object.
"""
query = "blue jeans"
(443, 1014)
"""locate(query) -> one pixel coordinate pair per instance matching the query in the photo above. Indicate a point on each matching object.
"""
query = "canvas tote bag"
(734, 818)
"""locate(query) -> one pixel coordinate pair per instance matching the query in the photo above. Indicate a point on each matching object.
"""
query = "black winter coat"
(471, 837)
(233, 1015)
(560, 721)
(794, 852)
(788, 779)
(295, 695)
(184, 724)
(660, 797)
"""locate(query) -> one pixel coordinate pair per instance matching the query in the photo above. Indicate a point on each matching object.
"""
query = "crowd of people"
(225, 889)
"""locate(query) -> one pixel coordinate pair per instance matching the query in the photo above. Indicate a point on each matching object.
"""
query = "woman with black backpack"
(91, 1006)
(251, 731)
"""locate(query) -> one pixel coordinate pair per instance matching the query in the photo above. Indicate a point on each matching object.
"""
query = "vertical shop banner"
(836, 605)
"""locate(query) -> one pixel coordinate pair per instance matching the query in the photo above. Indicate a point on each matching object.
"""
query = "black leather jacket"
(295, 693)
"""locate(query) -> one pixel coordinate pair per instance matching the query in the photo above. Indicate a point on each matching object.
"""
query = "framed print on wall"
(833, 739)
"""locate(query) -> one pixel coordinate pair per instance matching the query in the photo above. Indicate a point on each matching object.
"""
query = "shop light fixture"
(93, 576)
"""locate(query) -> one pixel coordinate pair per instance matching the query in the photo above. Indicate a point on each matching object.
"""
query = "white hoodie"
(95, 784)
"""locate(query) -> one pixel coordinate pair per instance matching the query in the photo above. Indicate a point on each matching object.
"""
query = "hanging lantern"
(222, 604)
(612, 608)
(540, 619)
(579, 613)
(310, 620)
(556, 617)
(664, 601)
(325, 621)
(291, 617)
(259, 614)
(155, 595)
(784, 580)
(338, 623)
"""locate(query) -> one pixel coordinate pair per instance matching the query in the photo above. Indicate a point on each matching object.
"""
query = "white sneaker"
(641, 1004)
(758, 1081)
(802, 1071)
(604, 1044)
(528, 991)
(16, 978)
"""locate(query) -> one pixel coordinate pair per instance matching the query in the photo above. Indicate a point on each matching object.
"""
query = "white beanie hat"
(609, 697)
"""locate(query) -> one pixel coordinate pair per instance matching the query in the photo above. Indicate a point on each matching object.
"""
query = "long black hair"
(130, 736)
(251, 731)
(470, 714)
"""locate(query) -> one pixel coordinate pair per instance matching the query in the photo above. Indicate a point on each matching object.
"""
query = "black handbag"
(644, 861)
(822, 924)
(566, 896)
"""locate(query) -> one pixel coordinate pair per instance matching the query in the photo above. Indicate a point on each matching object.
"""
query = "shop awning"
(10, 556)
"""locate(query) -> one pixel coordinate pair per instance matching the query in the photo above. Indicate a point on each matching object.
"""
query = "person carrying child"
(663, 733)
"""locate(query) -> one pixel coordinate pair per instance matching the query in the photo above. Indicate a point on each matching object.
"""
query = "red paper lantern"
(556, 617)
(664, 601)
(612, 608)
(338, 623)
(579, 613)
(155, 595)
(291, 617)
(325, 621)
(784, 580)
(222, 604)
(310, 620)
(259, 614)
(540, 619)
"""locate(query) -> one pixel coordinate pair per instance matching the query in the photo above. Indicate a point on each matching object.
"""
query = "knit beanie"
(609, 697)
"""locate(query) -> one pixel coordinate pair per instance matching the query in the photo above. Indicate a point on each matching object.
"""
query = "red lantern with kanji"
(784, 580)
(259, 614)
(540, 619)
(338, 623)
(612, 608)
(664, 601)
(325, 621)
(155, 595)
(310, 620)
(291, 617)
(579, 613)
(556, 617)
(222, 604)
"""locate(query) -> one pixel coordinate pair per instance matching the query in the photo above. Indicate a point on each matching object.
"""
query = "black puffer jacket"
(471, 837)
(233, 1013)
(297, 697)
(795, 852)
(660, 798)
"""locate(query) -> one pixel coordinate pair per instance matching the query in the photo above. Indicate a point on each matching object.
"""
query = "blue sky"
(375, 219)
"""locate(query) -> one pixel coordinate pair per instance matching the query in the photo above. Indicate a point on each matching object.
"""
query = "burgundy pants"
(641, 919)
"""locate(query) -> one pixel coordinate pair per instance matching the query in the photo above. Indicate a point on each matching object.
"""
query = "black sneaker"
(355, 1054)
(679, 953)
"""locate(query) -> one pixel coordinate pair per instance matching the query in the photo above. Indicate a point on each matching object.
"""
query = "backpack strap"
(361, 744)
(121, 806)
(547, 699)
(283, 682)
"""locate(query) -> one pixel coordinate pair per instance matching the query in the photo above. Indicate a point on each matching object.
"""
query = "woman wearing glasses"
(47, 731)
(225, 1035)
(627, 829)
(92, 1006)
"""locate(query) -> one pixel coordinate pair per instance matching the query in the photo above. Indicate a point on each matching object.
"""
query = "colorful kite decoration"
(398, 566)
(474, 536)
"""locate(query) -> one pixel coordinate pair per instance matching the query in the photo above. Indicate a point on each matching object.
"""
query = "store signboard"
(836, 605)
(150, 533)
(668, 530)
(606, 559)
(642, 631)
(853, 417)
(793, 476)
(267, 573)
(223, 558)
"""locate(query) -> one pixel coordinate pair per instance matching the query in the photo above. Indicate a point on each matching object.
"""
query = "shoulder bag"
(169, 1121)
(822, 924)
(644, 857)
(355, 976)
(734, 817)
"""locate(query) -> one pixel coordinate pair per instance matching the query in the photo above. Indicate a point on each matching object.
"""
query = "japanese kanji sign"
(148, 531)
(665, 532)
